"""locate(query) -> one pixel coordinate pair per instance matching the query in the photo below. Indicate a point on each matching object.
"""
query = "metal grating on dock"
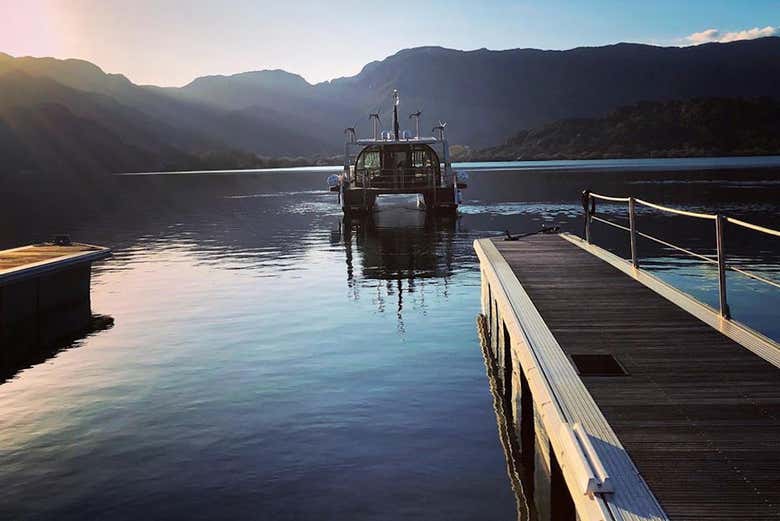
(697, 413)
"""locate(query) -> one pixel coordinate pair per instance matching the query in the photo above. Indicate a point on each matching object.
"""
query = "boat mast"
(396, 101)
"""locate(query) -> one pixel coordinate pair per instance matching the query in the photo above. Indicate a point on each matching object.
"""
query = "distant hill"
(232, 121)
(191, 125)
(485, 96)
(51, 127)
(697, 127)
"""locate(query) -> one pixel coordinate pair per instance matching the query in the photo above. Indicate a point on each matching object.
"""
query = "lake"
(273, 360)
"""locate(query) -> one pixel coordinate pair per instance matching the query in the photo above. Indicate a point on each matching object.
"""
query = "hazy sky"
(171, 42)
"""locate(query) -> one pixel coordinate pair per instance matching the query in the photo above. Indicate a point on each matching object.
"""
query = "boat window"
(422, 158)
(369, 159)
(394, 159)
(399, 160)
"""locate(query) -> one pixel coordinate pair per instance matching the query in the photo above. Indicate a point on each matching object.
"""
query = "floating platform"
(45, 295)
(628, 399)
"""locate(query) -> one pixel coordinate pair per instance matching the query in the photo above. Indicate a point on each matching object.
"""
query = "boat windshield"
(395, 160)
(369, 160)
(398, 164)
(397, 157)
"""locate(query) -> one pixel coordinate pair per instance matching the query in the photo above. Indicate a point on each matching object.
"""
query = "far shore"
(659, 164)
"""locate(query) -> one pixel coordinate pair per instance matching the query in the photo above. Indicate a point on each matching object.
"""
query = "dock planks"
(42, 253)
(18, 257)
(698, 414)
(30, 261)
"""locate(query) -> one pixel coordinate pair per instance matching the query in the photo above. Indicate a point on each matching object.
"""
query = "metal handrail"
(677, 211)
(589, 206)
(396, 178)
(414, 177)
(609, 198)
(659, 241)
(755, 227)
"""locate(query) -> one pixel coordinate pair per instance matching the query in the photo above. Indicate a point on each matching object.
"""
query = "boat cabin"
(397, 165)
(394, 162)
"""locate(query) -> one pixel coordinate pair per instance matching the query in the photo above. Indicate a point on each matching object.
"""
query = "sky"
(171, 42)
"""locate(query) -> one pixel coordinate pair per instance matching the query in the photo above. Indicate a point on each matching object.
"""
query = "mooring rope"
(543, 230)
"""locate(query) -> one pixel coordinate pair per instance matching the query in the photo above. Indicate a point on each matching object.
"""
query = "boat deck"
(696, 412)
(30, 260)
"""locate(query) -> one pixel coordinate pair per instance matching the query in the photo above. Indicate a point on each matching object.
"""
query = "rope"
(510, 237)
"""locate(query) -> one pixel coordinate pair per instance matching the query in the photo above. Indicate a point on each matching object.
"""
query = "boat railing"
(397, 178)
(589, 206)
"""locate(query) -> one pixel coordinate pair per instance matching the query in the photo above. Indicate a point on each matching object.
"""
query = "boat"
(395, 162)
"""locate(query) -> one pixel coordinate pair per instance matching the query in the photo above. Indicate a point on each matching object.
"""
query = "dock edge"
(566, 409)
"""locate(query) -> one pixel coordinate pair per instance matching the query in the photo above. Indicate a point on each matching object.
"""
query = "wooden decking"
(697, 412)
(33, 259)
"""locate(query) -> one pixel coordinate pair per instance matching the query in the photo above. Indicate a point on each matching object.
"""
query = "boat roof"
(409, 141)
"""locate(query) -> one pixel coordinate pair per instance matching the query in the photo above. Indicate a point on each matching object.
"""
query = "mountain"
(53, 127)
(264, 88)
(687, 128)
(229, 121)
(49, 127)
(486, 95)
(199, 126)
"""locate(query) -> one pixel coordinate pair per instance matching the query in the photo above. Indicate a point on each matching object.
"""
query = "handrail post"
(587, 226)
(632, 227)
(585, 199)
(720, 222)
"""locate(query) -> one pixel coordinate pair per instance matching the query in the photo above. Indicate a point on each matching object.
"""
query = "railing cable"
(753, 276)
(659, 241)
(589, 206)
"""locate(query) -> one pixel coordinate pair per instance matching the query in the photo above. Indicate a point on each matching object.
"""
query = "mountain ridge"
(698, 127)
(485, 95)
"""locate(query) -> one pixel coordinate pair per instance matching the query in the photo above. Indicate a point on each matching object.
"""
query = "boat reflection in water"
(404, 247)
(399, 253)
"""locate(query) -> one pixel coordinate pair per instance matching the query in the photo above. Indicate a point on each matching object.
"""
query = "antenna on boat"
(416, 116)
(440, 129)
(374, 117)
(396, 102)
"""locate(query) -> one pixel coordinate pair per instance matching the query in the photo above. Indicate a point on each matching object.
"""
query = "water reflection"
(520, 476)
(253, 320)
(401, 249)
(16, 356)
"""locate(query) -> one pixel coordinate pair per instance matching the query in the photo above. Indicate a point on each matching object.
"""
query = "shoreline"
(678, 164)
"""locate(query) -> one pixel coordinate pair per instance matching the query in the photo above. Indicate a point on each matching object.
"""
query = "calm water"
(271, 360)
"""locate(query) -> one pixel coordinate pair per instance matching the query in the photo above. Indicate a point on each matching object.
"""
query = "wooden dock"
(44, 295)
(649, 404)
(26, 260)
